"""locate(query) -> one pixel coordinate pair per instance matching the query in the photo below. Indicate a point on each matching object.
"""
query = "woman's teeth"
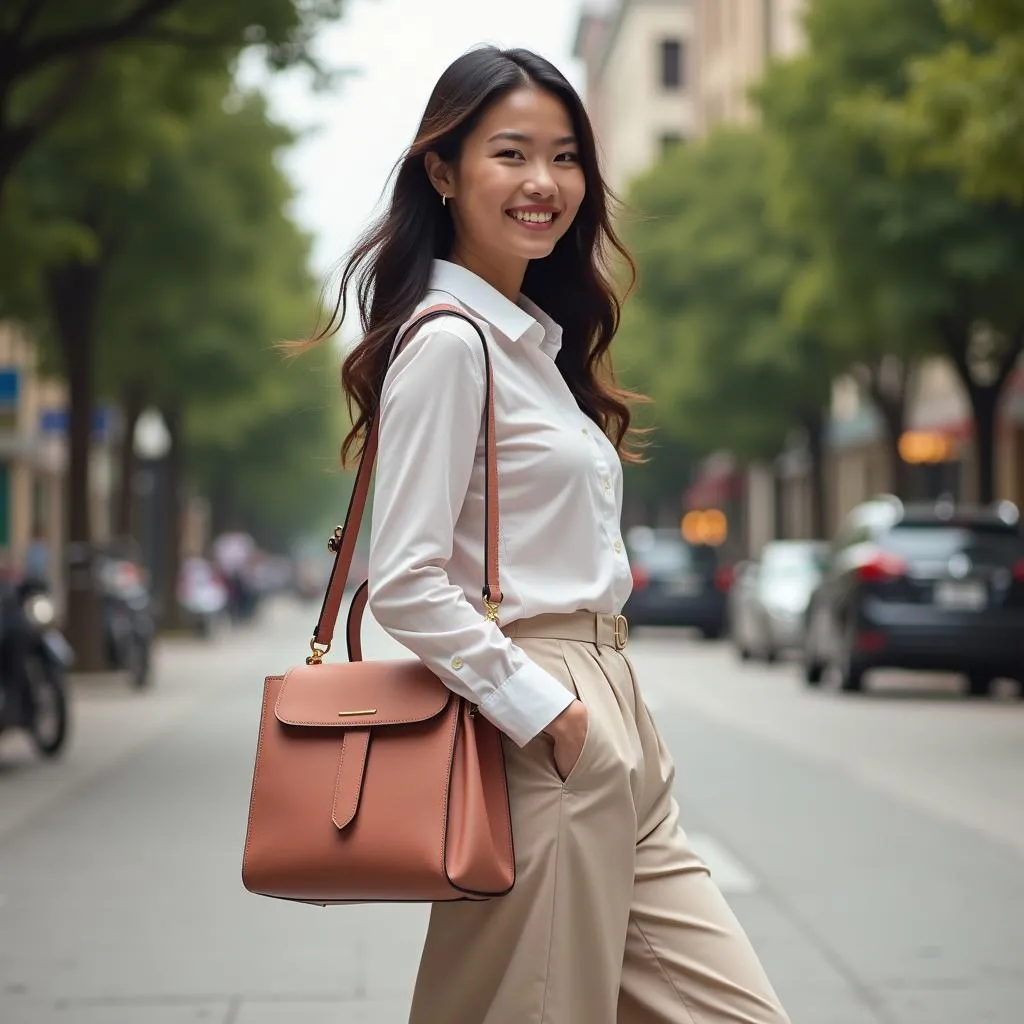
(532, 218)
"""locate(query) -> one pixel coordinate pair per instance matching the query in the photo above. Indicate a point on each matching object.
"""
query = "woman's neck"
(502, 273)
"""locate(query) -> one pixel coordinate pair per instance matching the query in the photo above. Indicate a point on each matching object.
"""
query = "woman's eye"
(567, 158)
(509, 154)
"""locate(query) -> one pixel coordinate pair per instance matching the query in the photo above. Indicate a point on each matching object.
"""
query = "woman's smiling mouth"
(534, 219)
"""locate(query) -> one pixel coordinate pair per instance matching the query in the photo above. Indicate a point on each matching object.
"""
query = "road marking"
(728, 873)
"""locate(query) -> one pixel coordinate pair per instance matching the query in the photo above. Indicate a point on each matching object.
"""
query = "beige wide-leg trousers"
(613, 919)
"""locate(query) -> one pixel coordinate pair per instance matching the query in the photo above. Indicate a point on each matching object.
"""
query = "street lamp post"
(152, 443)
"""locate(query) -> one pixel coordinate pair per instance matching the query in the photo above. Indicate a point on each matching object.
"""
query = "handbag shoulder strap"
(343, 543)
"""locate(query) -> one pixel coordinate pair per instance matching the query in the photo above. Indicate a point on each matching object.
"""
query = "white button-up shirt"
(559, 498)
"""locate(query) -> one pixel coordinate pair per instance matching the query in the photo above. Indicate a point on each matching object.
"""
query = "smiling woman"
(484, 375)
(504, 135)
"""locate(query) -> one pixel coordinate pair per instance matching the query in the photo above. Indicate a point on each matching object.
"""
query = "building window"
(673, 70)
(669, 141)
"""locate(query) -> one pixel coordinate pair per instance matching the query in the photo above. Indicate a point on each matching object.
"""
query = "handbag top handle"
(343, 543)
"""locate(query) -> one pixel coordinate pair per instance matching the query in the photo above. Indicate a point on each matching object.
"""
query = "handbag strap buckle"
(319, 650)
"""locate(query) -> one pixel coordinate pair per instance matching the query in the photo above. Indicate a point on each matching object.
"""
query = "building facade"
(31, 468)
(733, 41)
(638, 59)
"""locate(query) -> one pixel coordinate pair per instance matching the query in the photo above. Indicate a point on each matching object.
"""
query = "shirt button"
(585, 432)
(607, 484)
(457, 663)
(618, 546)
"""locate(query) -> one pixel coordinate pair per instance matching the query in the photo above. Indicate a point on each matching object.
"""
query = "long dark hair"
(391, 265)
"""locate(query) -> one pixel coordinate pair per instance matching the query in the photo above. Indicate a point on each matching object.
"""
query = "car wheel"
(138, 662)
(711, 632)
(979, 684)
(851, 672)
(813, 670)
(49, 726)
(851, 676)
(743, 653)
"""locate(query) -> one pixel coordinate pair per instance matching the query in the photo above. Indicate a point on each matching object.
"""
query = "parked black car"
(34, 657)
(676, 583)
(936, 587)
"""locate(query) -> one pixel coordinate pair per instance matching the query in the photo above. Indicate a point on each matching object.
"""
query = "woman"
(499, 208)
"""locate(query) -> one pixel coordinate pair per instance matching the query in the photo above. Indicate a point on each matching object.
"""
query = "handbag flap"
(360, 694)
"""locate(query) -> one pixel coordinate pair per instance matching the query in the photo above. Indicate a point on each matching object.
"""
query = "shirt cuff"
(526, 703)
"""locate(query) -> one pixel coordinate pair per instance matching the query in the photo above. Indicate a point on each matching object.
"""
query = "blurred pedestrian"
(233, 553)
(499, 208)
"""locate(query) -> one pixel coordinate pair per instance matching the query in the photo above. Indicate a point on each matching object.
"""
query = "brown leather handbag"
(374, 781)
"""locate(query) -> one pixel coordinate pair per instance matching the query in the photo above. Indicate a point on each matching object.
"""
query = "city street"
(873, 846)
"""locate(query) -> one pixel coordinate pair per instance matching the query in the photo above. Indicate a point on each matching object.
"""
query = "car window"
(665, 557)
(794, 561)
(992, 543)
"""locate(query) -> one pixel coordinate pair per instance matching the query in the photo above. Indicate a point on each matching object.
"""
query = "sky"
(356, 131)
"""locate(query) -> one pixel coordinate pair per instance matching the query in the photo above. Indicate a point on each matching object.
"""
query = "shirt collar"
(521, 320)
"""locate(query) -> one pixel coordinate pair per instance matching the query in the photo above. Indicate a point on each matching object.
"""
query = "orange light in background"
(926, 446)
(709, 526)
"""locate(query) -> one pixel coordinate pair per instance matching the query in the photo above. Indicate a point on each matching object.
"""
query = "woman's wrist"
(564, 720)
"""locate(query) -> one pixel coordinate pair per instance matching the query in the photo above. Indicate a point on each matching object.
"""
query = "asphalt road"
(872, 845)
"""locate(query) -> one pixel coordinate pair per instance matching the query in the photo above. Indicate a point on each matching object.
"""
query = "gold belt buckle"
(621, 632)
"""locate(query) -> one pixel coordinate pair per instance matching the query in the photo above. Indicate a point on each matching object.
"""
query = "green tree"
(207, 274)
(913, 264)
(50, 50)
(964, 110)
(724, 364)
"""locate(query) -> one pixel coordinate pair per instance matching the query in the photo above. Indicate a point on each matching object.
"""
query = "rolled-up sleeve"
(430, 418)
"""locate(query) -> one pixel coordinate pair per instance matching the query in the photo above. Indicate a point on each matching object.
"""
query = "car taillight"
(640, 578)
(1018, 571)
(724, 577)
(882, 567)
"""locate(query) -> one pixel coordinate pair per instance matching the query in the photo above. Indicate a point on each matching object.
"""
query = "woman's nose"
(541, 182)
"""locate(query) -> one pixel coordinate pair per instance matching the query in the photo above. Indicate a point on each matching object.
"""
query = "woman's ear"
(440, 175)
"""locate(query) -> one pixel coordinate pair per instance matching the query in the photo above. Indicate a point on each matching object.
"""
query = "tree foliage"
(716, 349)
(906, 258)
(49, 51)
(964, 110)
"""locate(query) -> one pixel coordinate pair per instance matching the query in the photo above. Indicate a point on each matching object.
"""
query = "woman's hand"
(569, 732)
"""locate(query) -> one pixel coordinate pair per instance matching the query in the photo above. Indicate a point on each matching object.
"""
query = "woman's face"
(516, 186)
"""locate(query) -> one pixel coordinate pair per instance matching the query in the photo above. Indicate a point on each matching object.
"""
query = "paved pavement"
(873, 846)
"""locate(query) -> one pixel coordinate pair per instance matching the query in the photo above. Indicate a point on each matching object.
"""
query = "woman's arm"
(430, 417)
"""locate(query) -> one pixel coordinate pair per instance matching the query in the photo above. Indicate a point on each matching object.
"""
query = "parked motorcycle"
(34, 657)
(129, 625)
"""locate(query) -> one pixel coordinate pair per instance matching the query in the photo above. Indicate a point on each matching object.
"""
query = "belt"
(590, 627)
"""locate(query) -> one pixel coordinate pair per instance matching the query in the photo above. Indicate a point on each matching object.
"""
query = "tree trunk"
(984, 404)
(132, 404)
(171, 542)
(779, 500)
(814, 424)
(73, 290)
(886, 381)
(1003, 354)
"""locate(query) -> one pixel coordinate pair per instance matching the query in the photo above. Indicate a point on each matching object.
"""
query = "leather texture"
(373, 781)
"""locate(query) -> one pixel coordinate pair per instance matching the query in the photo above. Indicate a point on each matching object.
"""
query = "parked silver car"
(769, 598)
